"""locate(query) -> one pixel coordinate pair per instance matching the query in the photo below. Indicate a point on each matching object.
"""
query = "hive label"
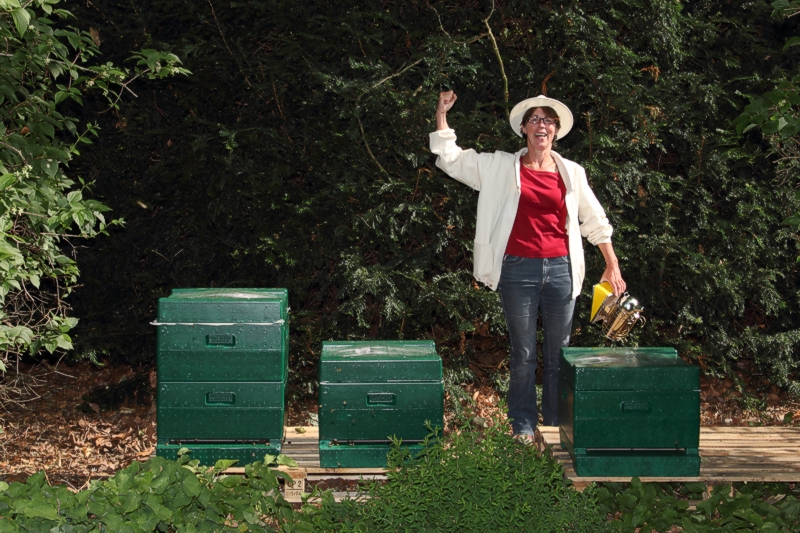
(635, 407)
(221, 340)
(293, 490)
(227, 398)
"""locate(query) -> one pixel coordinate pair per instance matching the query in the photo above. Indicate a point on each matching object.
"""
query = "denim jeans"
(527, 285)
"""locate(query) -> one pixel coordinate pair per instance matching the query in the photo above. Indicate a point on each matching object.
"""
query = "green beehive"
(223, 335)
(222, 367)
(629, 412)
(371, 391)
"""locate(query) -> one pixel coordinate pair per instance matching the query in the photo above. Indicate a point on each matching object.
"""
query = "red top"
(540, 227)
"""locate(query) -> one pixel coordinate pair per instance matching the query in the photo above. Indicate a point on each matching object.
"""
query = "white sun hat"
(563, 112)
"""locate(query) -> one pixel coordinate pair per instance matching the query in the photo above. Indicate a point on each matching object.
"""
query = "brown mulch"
(48, 432)
(75, 441)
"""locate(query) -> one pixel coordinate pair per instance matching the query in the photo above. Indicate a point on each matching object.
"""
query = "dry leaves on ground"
(72, 447)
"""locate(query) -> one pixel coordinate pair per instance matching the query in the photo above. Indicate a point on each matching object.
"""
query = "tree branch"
(358, 104)
(15, 150)
(387, 78)
(364, 137)
(499, 58)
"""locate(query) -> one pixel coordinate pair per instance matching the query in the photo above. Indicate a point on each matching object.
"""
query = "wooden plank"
(754, 454)
(749, 429)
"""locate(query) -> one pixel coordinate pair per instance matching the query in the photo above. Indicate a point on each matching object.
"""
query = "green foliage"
(777, 114)
(158, 495)
(468, 481)
(661, 506)
(472, 480)
(45, 65)
(298, 157)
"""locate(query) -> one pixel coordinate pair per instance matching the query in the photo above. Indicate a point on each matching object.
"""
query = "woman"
(533, 207)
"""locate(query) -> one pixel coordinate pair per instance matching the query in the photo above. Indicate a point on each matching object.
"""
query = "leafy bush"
(158, 495)
(662, 506)
(44, 67)
(777, 114)
(469, 481)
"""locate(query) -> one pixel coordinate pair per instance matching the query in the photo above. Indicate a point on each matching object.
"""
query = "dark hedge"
(296, 155)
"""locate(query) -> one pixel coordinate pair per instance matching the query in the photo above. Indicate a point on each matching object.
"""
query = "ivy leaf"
(251, 517)
(191, 486)
(224, 464)
(161, 512)
(285, 460)
(132, 502)
(35, 509)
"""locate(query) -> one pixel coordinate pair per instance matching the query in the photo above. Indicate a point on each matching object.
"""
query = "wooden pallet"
(727, 454)
(302, 445)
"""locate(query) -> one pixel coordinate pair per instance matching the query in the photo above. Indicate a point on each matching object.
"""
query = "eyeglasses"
(535, 119)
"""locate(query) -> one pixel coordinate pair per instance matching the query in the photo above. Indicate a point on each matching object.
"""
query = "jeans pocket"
(509, 260)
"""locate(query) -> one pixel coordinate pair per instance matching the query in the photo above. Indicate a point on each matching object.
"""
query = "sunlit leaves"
(40, 208)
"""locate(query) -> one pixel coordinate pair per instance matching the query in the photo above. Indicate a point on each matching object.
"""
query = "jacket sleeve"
(463, 165)
(594, 223)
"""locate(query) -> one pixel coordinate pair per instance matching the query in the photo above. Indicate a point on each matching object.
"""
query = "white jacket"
(496, 176)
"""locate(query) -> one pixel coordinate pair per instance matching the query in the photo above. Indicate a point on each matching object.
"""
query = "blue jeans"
(527, 285)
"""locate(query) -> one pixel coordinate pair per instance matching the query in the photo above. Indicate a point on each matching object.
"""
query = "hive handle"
(381, 398)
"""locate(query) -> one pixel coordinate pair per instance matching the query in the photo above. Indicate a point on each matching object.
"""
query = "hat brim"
(563, 112)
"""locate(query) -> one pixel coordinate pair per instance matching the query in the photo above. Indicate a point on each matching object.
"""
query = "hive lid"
(379, 361)
(232, 294)
(623, 368)
(224, 305)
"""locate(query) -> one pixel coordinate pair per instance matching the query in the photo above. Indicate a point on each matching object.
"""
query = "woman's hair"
(548, 112)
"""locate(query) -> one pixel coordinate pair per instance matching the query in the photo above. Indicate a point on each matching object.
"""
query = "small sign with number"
(293, 491)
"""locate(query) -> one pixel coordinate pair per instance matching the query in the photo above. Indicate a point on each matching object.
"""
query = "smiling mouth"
(539, 135)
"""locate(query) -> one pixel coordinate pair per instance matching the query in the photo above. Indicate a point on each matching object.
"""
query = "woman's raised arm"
(446, 101)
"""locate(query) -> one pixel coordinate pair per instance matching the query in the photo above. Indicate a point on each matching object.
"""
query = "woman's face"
(540, 137)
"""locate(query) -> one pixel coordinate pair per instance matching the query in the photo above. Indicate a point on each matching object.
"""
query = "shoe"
(526, 439)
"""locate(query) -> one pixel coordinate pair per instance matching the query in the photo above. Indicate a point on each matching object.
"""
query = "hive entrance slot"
(638, 451)
(353, 442)
(219, 441)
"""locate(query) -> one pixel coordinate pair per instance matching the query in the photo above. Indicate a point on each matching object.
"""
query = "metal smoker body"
(618, 315)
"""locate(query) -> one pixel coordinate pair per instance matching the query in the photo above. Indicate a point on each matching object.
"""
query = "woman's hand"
(446, 101)
(612, 273)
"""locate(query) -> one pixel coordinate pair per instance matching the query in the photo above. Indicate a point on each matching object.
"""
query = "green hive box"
(370, 391)
(629, 412)
(223, 335)
(222, 367)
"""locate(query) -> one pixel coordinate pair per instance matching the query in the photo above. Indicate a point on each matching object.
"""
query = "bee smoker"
(618, 314)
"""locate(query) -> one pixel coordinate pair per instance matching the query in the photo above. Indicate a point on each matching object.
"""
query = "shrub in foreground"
(469, 481)
(158, 495)
(663, 506)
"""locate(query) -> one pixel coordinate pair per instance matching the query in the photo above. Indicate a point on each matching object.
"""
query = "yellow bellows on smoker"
(601, 292)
